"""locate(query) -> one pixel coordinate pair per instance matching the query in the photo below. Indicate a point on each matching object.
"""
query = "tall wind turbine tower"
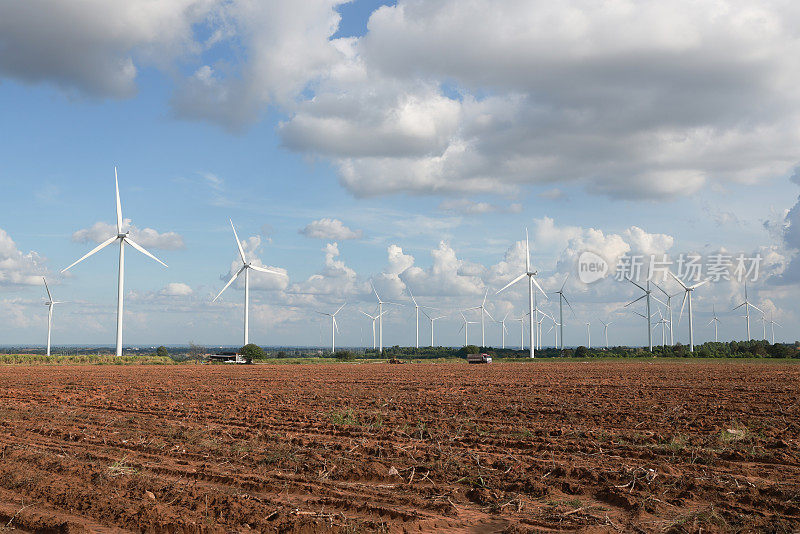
(380, 316)
(51, 303)
(773, 324)
(562, 298)
(687, 296)
(649, 316)
(669, 311)
(374, 319)
(714, 320)
(432, 320)
(245, 268)
(605, 329)
(334, 326)
(123, 238)
(747, 307)
(531, 296)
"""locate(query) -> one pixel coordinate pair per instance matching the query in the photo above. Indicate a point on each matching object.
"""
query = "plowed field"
(600, 446)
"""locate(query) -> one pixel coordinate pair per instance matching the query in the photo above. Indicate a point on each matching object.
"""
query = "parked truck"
(479, 358)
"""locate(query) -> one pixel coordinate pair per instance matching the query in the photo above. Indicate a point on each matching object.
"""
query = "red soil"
(375, 447)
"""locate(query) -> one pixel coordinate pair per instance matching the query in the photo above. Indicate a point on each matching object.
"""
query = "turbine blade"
(739, 306)
(511, 283)
(684, 286)
(375, 291)
(490, 315)
(539, 287)
(335, 324)
(95, 249)
(368, 315)
(568, 304)
(633, 301)
(637, 285)
(527, 253)
(47, 289)
(756, 307)
(119, 204)
(265, 270)
(707, 280)
(776, 324)
(484, 297)
(565, 283)
(661, 289)
(340, 308)
(683, 303)
(238, 243)
(142, 250)
(234, 277)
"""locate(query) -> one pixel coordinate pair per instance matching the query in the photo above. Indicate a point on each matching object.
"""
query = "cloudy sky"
(406, 144)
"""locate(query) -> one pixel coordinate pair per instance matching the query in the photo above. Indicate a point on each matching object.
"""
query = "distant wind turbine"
(432, 320)
(588, 335)
(334, 326)
(503, 330)
(687, 296)
(245, 268)
(380, 316)
(773, 324)
(747, 305)
(122, 238)
(714, 320)
(416, 321)
(483, 312)
(465, 328)
(562, 298)
(51, 303)
(605, 329)
(374, 319)
(669, 311)
(531, 295)
(646, 295)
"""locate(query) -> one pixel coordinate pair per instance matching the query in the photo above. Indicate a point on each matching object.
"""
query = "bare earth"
(607, 446)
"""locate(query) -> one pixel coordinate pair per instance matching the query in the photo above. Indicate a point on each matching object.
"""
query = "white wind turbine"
(714, 320)
(539, 326)
(588, 335)
(50, 303)
(484, 312)
(669, 311)
(123, 238)
(503, 330)
(687, 295)
(416, 312)
(773, 324)
(561, 300)
(374, 319)
(555, 332)
(334, 326)
(380, 316)
(521, 332)
(531, 295)
(465, 328)
(605, 329)
(649, 316)
(432, 320)
(663, 322)
(245, 268)
(747, 307)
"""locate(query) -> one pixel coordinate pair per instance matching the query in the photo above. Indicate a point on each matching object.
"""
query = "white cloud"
(330, 229)
(176, 289)
(16, 267)
(146, 237)
(471, 207)
(258, 281)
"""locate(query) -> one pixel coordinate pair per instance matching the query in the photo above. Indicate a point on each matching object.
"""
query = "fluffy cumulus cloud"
(17, 267)
(332, 229)
(650, 99)
(647, 99)
(146, 237)
(176, 289)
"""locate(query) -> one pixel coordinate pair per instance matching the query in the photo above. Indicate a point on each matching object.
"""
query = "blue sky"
(414, 128)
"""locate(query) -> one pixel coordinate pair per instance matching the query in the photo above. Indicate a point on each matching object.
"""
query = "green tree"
(581, 352)
(469, 349)
(162, 351)
(251, 352)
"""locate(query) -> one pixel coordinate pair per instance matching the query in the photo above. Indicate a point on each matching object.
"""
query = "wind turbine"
(465, 328)
(503, 329)
(375, 318)
(521, 332)
(649, 315)
(588, 335)
(539, 327)
(605, 329)
(555, 332)
(245, 268)
(747, 307)
(380, 316)
(432, 319)
(531, 282)
(123, 238)
(714, 320)
(663, 322)
(561, 299)
(416, 321)
(669, 311)
(687, 295)
(772, 324)
(50, 303)
(483, 311)
(334, 326)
